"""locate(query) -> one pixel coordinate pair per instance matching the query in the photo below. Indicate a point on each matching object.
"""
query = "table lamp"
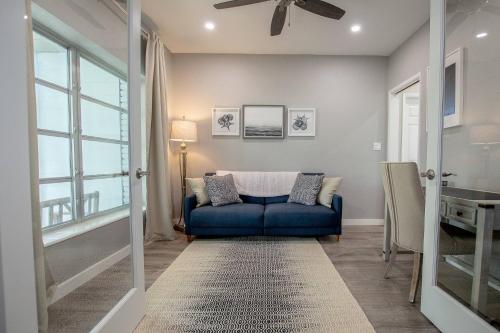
(183, 131)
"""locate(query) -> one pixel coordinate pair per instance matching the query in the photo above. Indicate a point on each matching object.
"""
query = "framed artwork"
(226, 122)
(263, 121)
(453, 89)
(301, 122)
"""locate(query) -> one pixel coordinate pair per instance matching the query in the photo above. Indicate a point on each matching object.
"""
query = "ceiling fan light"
(356, 28)
(209, 25)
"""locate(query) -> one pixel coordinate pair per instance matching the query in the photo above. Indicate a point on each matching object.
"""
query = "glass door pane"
(81, 65)
(468, 266)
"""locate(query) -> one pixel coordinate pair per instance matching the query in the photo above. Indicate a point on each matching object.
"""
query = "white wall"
(349, 94)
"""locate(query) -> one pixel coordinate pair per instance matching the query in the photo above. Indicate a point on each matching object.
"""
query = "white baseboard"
(362, 221)
(66, 287)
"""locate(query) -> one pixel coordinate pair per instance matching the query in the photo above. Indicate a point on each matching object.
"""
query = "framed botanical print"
(226, 122)
(263, 121)
(301, 122)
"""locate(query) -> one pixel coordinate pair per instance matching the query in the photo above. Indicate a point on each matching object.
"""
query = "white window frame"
(75, 135)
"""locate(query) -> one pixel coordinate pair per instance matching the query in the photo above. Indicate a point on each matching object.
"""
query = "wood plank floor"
(358, 259)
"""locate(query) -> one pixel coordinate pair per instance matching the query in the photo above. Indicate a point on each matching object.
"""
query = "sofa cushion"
(279, 199)
(306, 189)
(253, 200)
(221, 190)
(229, 216)
(292, 215)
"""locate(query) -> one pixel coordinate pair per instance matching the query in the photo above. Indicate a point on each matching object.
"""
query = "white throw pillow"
(200, 191)
(328, 189)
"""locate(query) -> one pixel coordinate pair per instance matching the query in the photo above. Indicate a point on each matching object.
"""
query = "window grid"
(76, 137)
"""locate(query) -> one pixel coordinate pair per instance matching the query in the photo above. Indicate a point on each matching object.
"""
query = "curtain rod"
(144, 32)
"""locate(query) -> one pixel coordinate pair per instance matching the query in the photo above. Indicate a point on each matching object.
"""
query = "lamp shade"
(184, 130)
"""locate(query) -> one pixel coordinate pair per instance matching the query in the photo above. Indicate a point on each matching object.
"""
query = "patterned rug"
(252, 285)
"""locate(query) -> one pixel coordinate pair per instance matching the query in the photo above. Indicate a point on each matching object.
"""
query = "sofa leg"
(189, 238)
(338, 238)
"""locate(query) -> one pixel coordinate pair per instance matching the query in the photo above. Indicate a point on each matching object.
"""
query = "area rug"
(252, 285)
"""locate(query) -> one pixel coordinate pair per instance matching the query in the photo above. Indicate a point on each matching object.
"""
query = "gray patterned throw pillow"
(306, 189)
(221, 190)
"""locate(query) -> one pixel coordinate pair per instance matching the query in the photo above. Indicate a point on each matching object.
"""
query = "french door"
(128, 312)
(459, 287)
(88, 101)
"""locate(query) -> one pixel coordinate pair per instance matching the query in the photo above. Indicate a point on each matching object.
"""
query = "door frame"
(447, 313)
(394, 117)
(17, 266)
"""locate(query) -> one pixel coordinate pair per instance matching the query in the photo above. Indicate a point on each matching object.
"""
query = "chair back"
(406, 203)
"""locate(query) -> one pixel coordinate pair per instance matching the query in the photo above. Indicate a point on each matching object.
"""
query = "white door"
(403, 126)
(128, 312)
(459, 285)
(88, 91)
(410, 123)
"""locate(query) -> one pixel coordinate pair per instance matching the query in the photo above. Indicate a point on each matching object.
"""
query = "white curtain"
(159, 224)
(45, 283)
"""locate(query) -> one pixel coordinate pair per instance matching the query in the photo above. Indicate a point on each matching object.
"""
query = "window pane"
(101, 121)
(102, 158)
(52, 109)
(104, 194)
(100, 84)
(51, 61)
(54, 156)
(56, 203)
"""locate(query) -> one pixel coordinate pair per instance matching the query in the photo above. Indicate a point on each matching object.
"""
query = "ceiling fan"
(318, 7)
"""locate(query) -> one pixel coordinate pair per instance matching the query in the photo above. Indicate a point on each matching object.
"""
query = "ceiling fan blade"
(236, 3)
(279, 19)
(322, 8)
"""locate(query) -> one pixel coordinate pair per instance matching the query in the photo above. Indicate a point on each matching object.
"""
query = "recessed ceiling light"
(209, 25)
(356, 28)
(25, 17)
(481, 35)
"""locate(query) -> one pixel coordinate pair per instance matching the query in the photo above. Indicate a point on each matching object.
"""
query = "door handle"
(448, 174)
(139, 173)
(429, 174)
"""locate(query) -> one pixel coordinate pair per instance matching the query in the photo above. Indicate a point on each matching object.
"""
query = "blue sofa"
(263, 216)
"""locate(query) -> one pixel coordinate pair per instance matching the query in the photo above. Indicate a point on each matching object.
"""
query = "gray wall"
(476, 167)
(349, 94)
(72, 256)
(411, 58)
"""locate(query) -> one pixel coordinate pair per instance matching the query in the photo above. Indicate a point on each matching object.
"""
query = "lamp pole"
(179, 226)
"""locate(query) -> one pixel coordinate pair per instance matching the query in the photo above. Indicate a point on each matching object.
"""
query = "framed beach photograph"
(226, 122)
(453, 89)
(263, 121)
(301, 122)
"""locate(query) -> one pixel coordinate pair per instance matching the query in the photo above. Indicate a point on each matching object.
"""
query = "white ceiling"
(386, 24)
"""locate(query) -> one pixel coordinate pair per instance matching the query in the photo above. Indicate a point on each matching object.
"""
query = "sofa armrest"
(337, 205)
(189, 205)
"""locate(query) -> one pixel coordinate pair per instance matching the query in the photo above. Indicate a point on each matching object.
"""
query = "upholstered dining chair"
(406, 204)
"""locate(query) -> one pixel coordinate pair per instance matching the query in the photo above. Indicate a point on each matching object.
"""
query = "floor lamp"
(183, 131)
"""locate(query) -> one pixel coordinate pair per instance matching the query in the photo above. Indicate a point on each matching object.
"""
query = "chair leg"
(415, 279)
(392, 257)
(338, 238)
(189, 238)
